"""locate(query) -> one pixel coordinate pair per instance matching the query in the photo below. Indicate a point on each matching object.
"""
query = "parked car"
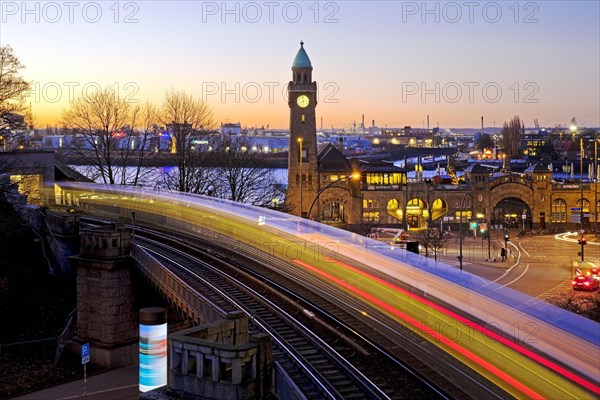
(583, 282)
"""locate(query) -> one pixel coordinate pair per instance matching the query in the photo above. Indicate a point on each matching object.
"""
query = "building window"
(559, 211)
(586, 205)
(393, 209)
(371, 217)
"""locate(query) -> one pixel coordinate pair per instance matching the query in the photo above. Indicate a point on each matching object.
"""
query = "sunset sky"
(393, 61)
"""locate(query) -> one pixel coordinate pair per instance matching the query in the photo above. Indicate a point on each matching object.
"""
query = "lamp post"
(573, 129)
(460, 231)
(132, 224)
(353, 176)
(581, 184)
(300, 142)
(596, 185)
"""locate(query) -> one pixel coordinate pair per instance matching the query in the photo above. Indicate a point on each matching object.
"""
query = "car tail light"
(574, 283)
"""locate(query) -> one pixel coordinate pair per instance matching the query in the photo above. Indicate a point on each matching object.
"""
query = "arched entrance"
(416, 214)
(509, 213)
(333, 212)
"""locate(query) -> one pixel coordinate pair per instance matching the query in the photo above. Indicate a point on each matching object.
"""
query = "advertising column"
(153, 348)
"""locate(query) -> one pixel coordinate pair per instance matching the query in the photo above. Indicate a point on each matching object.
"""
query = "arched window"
(393, 209)
(586, 205)
(559, 210)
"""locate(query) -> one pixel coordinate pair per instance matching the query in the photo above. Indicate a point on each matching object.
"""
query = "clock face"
(302, 101)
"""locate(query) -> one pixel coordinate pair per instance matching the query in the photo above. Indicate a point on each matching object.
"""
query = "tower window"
(303, 119)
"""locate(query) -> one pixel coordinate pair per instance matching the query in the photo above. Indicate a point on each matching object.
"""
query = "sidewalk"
(118, 384)
(475, 251)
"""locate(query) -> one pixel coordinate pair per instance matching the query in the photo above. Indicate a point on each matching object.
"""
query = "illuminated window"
(586, 205)
(559, 211)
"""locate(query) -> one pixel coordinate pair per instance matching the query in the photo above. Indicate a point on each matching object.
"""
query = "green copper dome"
(301, 60)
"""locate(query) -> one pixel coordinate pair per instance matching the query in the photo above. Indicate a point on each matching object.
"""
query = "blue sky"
(393, 61)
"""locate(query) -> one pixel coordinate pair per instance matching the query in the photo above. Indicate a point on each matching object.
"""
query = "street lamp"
(460, 230)
(596, 185)
(353, 176)
(132, 224)
(573, 129)
(300, 142)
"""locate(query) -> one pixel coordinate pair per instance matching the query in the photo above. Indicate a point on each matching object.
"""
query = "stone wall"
(106, 317)
(220, 361)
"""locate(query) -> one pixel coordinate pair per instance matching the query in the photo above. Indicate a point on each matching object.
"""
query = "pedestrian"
(503, 254)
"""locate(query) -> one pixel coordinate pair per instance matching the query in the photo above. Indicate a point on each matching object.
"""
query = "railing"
(191, 303)
(285, 387)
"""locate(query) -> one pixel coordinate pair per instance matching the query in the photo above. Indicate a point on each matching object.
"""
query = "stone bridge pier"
(106, 314)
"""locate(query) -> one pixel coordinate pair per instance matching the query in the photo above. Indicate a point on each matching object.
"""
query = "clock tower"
(303, 178)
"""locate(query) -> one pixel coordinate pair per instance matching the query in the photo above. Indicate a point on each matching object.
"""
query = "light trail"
(485, 331)
(562, 335)
(429, 331)
(517, 278)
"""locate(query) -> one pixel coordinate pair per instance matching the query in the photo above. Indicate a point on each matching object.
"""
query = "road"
(539, 264)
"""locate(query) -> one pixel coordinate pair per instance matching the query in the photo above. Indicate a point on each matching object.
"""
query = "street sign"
(524, 216)
(587, 215)
(85, 353)
(575, 209)
(575, 218)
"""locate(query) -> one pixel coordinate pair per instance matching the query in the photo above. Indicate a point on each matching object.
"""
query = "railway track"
(296, 347)
(397, 362)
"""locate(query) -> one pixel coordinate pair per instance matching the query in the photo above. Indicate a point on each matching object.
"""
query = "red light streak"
(455, 346)
(547, 363)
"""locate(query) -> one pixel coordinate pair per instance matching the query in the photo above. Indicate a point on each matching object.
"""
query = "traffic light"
(482, 228)
(582, 242)
(506, 237)
(473, 225)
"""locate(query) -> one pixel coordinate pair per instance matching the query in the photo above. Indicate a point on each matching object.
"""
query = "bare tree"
(244, 173)
(105, 138)
(144, 120)
(439, 240)
(434, 238)
(13, 87)
(511, 137)
(185, 117)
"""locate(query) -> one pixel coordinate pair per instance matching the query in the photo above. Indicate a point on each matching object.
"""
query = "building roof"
(301, 60)
(538, 168)
(479, 169)
(378, 166)
(331, 159)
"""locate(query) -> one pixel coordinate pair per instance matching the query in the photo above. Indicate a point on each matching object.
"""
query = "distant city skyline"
(395, 62)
